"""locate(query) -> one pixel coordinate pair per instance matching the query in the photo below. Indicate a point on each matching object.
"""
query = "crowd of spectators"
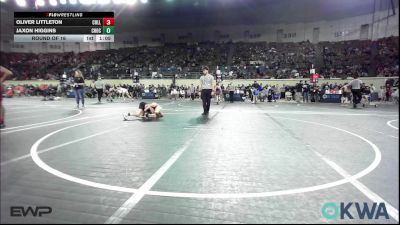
(235, 60)
(387, 59)
(299, 92)
(343, 59)
(278, 60)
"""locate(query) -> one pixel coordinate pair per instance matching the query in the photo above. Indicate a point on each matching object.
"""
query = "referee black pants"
(356, 96)
(99, 93)
(206, 97)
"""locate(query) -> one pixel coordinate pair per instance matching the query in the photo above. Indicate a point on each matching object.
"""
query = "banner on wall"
(314, 77)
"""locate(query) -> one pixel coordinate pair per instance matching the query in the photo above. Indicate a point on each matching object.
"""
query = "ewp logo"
(331, 211)
(17, 211)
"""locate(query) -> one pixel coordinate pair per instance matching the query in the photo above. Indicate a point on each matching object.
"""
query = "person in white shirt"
(155, 92)
(345, 95)
(123, 92)
(182, 93)
(174, 93)
(372, 88)
(395, 96)
(356, 90)
(231, 74)
(381, 93)
(100, 87)
(206, 87)
(218, 75)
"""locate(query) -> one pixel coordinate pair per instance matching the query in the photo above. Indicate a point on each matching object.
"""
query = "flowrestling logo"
(332, 211)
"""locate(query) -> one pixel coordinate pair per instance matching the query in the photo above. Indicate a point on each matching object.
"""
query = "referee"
(356, 90)
(206, 87)
(100, 87)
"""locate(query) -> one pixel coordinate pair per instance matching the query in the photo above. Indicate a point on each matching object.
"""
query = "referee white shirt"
(99, 84)
(207, 81)
(355, 84)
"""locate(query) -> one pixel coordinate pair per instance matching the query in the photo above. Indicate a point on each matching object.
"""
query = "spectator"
(299, 90)
(79, 84)
(306, 90)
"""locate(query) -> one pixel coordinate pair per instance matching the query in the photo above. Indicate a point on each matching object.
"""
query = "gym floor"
(244, 163)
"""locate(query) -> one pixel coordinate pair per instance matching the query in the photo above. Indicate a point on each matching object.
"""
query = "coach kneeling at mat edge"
(206, 87)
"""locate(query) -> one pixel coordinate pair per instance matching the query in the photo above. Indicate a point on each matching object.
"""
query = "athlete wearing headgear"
(146, 110)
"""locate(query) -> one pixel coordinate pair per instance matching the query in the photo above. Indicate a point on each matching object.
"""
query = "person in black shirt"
(299, 90)
(306, 90)
(255, 92)
(231, 90)
(314, 94)
(79, 83)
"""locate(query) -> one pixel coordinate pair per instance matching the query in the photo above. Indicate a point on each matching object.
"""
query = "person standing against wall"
(206, 87)
(255, 92)
(218, 93)
(306, 91)
(192, 89)
(299, 90)
(231, 90)
(388, 92)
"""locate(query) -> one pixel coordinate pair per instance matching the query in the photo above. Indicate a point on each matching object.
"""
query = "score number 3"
(108, 21)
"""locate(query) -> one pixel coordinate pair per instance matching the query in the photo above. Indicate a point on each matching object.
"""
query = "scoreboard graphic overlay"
(63, 26)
